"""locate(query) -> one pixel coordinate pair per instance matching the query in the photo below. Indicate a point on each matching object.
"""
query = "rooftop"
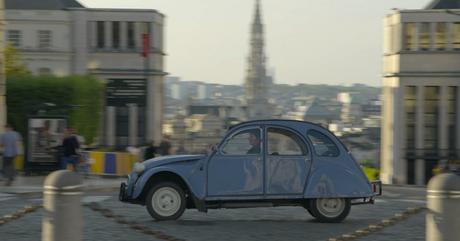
(444, 4)
(42, 4)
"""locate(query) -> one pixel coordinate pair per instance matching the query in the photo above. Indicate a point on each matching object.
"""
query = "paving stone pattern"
(284, 223)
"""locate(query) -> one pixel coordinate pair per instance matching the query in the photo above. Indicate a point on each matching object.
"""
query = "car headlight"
(139, 168)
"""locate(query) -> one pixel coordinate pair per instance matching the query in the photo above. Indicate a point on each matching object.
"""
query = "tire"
(307, 207)
(330, 210)
(166, 201)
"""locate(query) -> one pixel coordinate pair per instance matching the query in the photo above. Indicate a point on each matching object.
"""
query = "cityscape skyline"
(305, 59)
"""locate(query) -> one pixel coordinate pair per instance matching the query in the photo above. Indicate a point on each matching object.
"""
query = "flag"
(145, 45)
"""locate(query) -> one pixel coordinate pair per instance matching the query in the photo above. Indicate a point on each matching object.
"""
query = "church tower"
(257, 82)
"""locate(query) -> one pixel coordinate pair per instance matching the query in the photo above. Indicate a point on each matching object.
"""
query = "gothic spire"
(256, 80)
(258, 18)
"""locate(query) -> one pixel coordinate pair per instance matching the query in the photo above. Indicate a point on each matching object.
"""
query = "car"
(263, 163)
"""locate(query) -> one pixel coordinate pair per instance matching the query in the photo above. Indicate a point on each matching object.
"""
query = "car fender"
(332, 181)
(145, 177)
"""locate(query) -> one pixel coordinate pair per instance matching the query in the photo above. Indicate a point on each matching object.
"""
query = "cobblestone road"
(266, 224)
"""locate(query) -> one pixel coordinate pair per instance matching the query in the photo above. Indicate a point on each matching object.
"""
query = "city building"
(257, 82)
(372, 108)
(319, 112)
(351, 111)
(122, 47)
(421, 105)
(196, 133)
(222, 108)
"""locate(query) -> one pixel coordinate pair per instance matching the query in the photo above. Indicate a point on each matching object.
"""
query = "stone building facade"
(62, 37)
(420, 127)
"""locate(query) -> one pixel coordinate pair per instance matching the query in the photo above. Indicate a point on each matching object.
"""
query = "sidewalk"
(34, 184)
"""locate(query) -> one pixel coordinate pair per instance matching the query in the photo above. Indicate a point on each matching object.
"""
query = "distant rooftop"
(444, 4)
(42, 4)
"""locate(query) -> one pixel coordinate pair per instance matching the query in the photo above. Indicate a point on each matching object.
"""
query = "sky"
(336, 42)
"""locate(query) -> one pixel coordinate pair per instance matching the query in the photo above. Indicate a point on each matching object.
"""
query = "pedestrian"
(9, 141)
(150, 152)
(165, 146)
(80, 138)
(181, 149)
(70, 148)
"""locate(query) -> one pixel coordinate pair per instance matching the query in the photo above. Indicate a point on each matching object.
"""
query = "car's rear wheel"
(166, 201)
(330, 210)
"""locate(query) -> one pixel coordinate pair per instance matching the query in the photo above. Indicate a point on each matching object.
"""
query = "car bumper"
(122, 195)
(377, 188)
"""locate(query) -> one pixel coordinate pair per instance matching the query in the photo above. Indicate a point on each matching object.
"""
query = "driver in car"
(254, 141)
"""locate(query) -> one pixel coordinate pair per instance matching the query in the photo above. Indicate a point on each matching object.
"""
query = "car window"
(246, 142)
(322, 144)
(284, 143)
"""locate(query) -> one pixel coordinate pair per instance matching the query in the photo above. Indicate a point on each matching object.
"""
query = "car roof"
(275, 121)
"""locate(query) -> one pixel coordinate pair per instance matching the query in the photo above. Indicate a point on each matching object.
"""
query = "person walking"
(150, 152)
(9, 141)
(165, 146)
(70, 148)
(181, 149)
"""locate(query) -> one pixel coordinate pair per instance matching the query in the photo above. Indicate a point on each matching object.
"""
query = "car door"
(236, 170)
(288, 162)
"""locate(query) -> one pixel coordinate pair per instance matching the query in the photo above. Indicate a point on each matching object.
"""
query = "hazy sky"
(307, 41)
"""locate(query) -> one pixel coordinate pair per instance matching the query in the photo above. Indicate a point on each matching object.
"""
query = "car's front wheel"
(330, 210)
(166, 201)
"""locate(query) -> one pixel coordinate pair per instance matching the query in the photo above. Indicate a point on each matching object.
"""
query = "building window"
(14, 37)
(409, 104)
(456, 36)
(145, 26)
(116, 35)
(122, 126)
(440, 37)
(431, 116)
(44, 71)
(44, 39)
(452, 119)
(141, 125)
(100, 33)
(131, 36)
(409, 30)
(424, 36)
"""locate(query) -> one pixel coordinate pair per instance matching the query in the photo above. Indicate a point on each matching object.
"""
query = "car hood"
(164, 160)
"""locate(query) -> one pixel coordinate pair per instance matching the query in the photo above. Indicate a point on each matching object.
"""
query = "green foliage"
(371, 173)
(13, 65)
(78, 97)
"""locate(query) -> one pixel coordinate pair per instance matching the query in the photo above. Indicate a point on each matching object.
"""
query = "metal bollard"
(442, 219)
(62, 205)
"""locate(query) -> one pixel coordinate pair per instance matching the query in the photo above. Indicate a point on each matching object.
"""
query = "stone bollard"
(62, 205)
(443, 217)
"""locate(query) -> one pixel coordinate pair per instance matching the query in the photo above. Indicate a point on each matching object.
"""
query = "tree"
(13, 64)
(80, 98)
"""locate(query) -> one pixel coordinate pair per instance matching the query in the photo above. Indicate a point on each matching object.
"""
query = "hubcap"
(166, 201)
(330, 207)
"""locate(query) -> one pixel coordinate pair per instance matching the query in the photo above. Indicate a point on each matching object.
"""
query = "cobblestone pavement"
(284, 223)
